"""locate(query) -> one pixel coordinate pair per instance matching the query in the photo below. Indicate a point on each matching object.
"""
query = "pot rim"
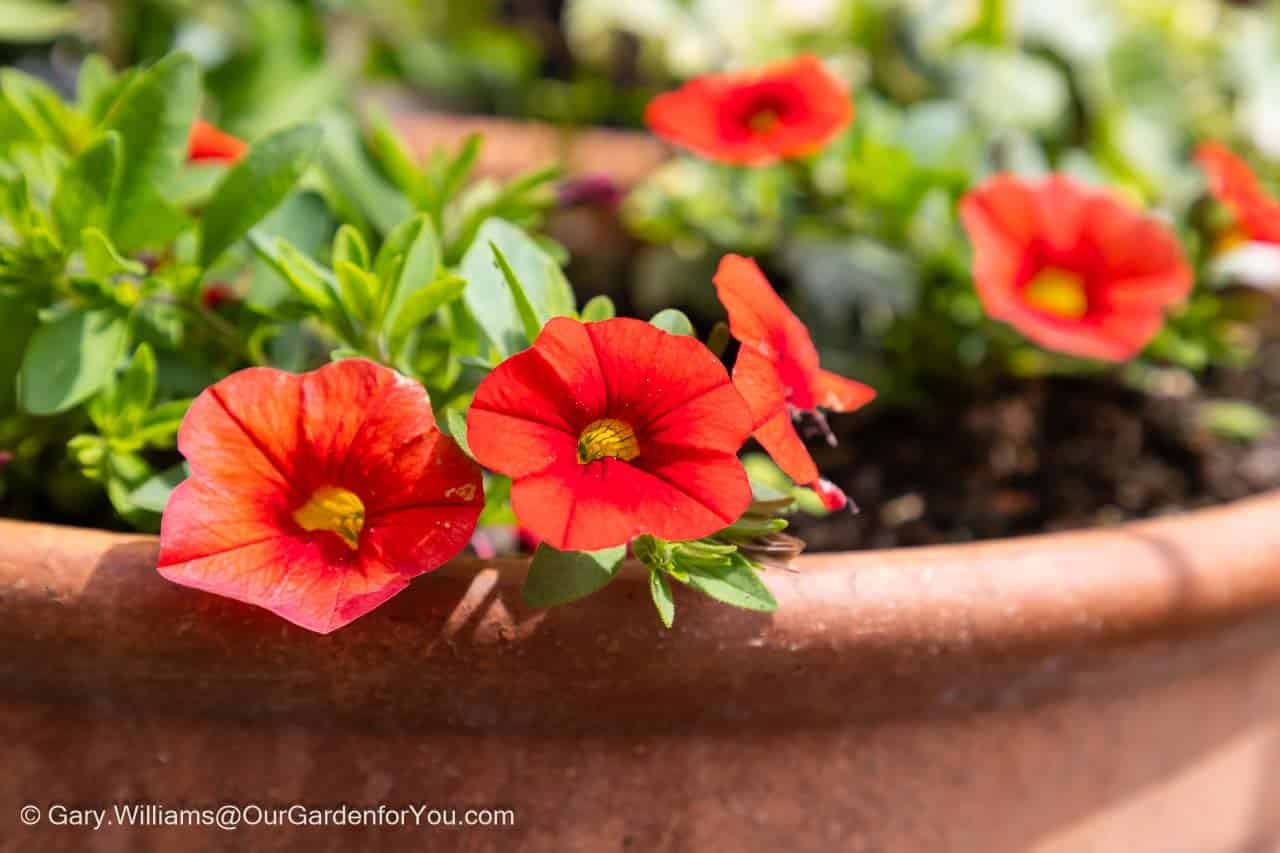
(84, 616)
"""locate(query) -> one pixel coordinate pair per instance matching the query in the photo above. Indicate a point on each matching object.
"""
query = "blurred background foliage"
(864, 238)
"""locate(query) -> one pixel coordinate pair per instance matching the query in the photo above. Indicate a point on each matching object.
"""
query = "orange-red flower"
(207, 143)
(1232, 182)
(1073, 268)
(778, 374)
(755, 117)
(316, 496)
(611, 430)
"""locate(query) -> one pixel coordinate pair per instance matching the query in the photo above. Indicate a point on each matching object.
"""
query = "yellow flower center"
(608, 437)
(335, 510)
(1059, 292)
(763, 121)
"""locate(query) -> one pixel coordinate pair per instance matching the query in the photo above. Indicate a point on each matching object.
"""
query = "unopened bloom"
(755, 117)
(209, 144)
(1073, 268)
(316, 496)
(217, 294)
(1233, 183)
(778, 372)
(611, 430)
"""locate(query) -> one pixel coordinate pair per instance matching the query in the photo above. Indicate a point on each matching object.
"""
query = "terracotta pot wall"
(1116, 690)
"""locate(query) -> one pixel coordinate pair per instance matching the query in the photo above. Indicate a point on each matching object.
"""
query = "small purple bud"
(595, 190)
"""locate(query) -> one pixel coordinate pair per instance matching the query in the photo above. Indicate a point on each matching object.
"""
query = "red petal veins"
(262, 441)
(688, 420)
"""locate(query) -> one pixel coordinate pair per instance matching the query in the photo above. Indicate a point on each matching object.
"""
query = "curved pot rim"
(84, 615)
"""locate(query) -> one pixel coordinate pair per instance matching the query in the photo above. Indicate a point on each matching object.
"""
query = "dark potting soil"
(1054, 454)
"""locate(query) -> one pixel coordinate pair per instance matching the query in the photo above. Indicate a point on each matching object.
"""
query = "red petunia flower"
(754, 118)
(316, 496)
(1073, 268)
(778, 374)
(207, 143)
(217, 294)
(611, 430)
(1233, 183)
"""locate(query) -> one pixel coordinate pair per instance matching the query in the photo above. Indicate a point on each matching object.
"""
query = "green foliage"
(513, 287)
(254, 187)
(130, 279)
(558, 577)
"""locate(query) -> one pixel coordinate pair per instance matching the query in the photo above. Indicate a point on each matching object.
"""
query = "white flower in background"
(1253, 264)
(1081, 30)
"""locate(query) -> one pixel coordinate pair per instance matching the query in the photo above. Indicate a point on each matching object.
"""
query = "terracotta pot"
(1115, 690)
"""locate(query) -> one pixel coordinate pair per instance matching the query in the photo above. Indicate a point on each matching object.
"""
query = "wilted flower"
(778, 372)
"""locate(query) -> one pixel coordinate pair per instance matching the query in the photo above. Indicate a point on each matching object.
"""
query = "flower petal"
(245, 429)
(758, 317)
(839, 394)
(609, 502)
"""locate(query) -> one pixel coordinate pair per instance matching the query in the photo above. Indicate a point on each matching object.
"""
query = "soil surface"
(1050, 455)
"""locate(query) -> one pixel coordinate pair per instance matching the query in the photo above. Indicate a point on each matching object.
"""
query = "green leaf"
(489, 296)
(94, 80)
(398, 162)
(153, 495)
(310, 283)
(408, 263)
(20, 321)
(598, 308)
(102, 260)
(673, 321)
(734, 582)
(425, 302)
(456, 423)
(528, 317)
(82, 197)
(255, 186)
(42, 110)
(153, 116)
(349, 246)
(557, 577)
(357, 289)
(135, 388)
(71, 359)
(660, 589)
(355, 179)
(1236, 420)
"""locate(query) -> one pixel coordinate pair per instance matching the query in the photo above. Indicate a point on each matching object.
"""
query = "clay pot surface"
(1113, 690)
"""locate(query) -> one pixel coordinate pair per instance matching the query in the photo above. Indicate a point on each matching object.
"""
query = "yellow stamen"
(335, 510)
(608, 437)
(763, 121)
(1059, 292)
